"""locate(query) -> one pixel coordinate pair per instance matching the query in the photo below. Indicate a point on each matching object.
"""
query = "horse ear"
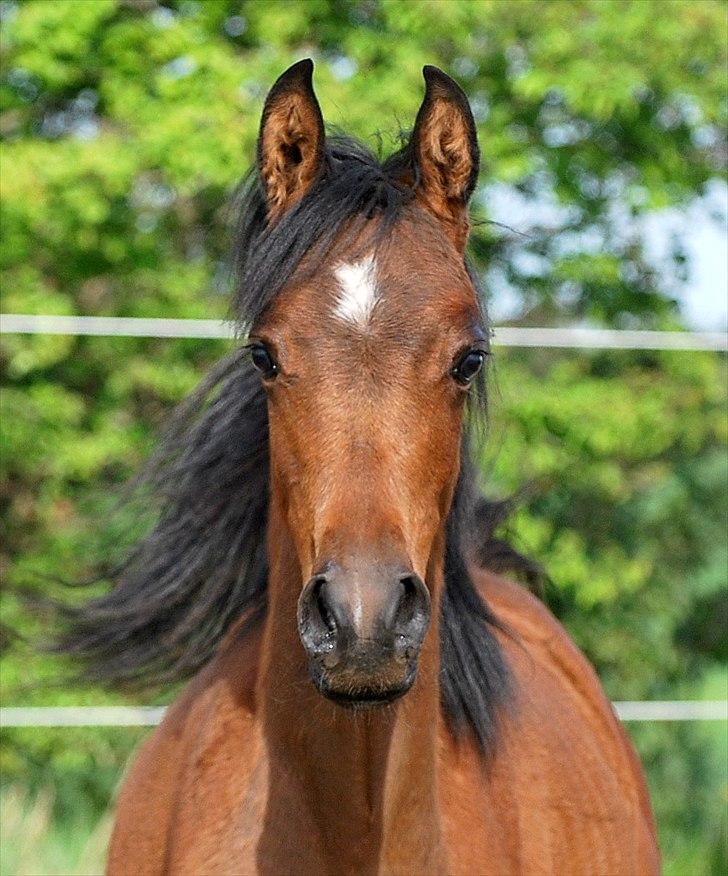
(444, 153)
(291, 140)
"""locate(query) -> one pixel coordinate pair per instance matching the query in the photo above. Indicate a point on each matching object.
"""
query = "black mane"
(203, 565)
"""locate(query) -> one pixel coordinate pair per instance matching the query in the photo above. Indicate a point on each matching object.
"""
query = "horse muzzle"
(362, 629)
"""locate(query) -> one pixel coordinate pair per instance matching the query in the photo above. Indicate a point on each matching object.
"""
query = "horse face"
(367, 366)
(367, 362)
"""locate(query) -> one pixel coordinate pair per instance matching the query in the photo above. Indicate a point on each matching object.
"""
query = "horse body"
(383, 705)
(562, 793)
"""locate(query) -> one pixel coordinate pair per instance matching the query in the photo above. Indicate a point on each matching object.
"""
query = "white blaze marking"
(358, 294)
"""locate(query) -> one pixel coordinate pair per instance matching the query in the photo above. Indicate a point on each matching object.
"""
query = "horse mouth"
(348, 693)
(365, 699)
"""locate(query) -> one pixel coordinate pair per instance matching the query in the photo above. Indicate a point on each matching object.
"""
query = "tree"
(126, 126)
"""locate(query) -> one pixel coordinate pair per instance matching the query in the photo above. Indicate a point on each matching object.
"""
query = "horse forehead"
(372, 294)
(405, 285)
(358, 291)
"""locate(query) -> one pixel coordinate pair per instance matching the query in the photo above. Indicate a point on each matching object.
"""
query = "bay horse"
(372, 697)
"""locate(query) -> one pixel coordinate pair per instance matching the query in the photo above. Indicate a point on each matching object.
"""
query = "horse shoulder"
(180, 776)
(565, 786)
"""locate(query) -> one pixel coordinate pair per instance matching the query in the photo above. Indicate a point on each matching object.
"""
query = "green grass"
(36, 843)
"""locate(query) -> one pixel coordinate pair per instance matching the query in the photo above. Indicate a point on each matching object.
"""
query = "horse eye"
(263, 361)
(468, 366)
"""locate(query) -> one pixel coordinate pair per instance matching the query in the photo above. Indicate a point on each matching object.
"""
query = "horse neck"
(349, 792)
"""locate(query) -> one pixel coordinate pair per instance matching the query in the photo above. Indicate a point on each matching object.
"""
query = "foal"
(379, 703)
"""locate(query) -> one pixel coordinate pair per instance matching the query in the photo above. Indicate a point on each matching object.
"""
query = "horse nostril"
(408, 600)
(317, 624)
(319, 599)
(413, 612)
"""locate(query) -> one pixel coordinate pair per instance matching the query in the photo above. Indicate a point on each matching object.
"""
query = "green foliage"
(35, 840)
(126, 126)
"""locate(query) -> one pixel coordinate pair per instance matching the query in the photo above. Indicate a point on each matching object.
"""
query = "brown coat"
(564, 792)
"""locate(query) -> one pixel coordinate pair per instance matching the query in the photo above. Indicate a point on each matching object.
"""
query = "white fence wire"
(148, 716)
(504, 336)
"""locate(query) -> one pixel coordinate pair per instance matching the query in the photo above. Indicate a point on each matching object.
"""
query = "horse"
(370, 694)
